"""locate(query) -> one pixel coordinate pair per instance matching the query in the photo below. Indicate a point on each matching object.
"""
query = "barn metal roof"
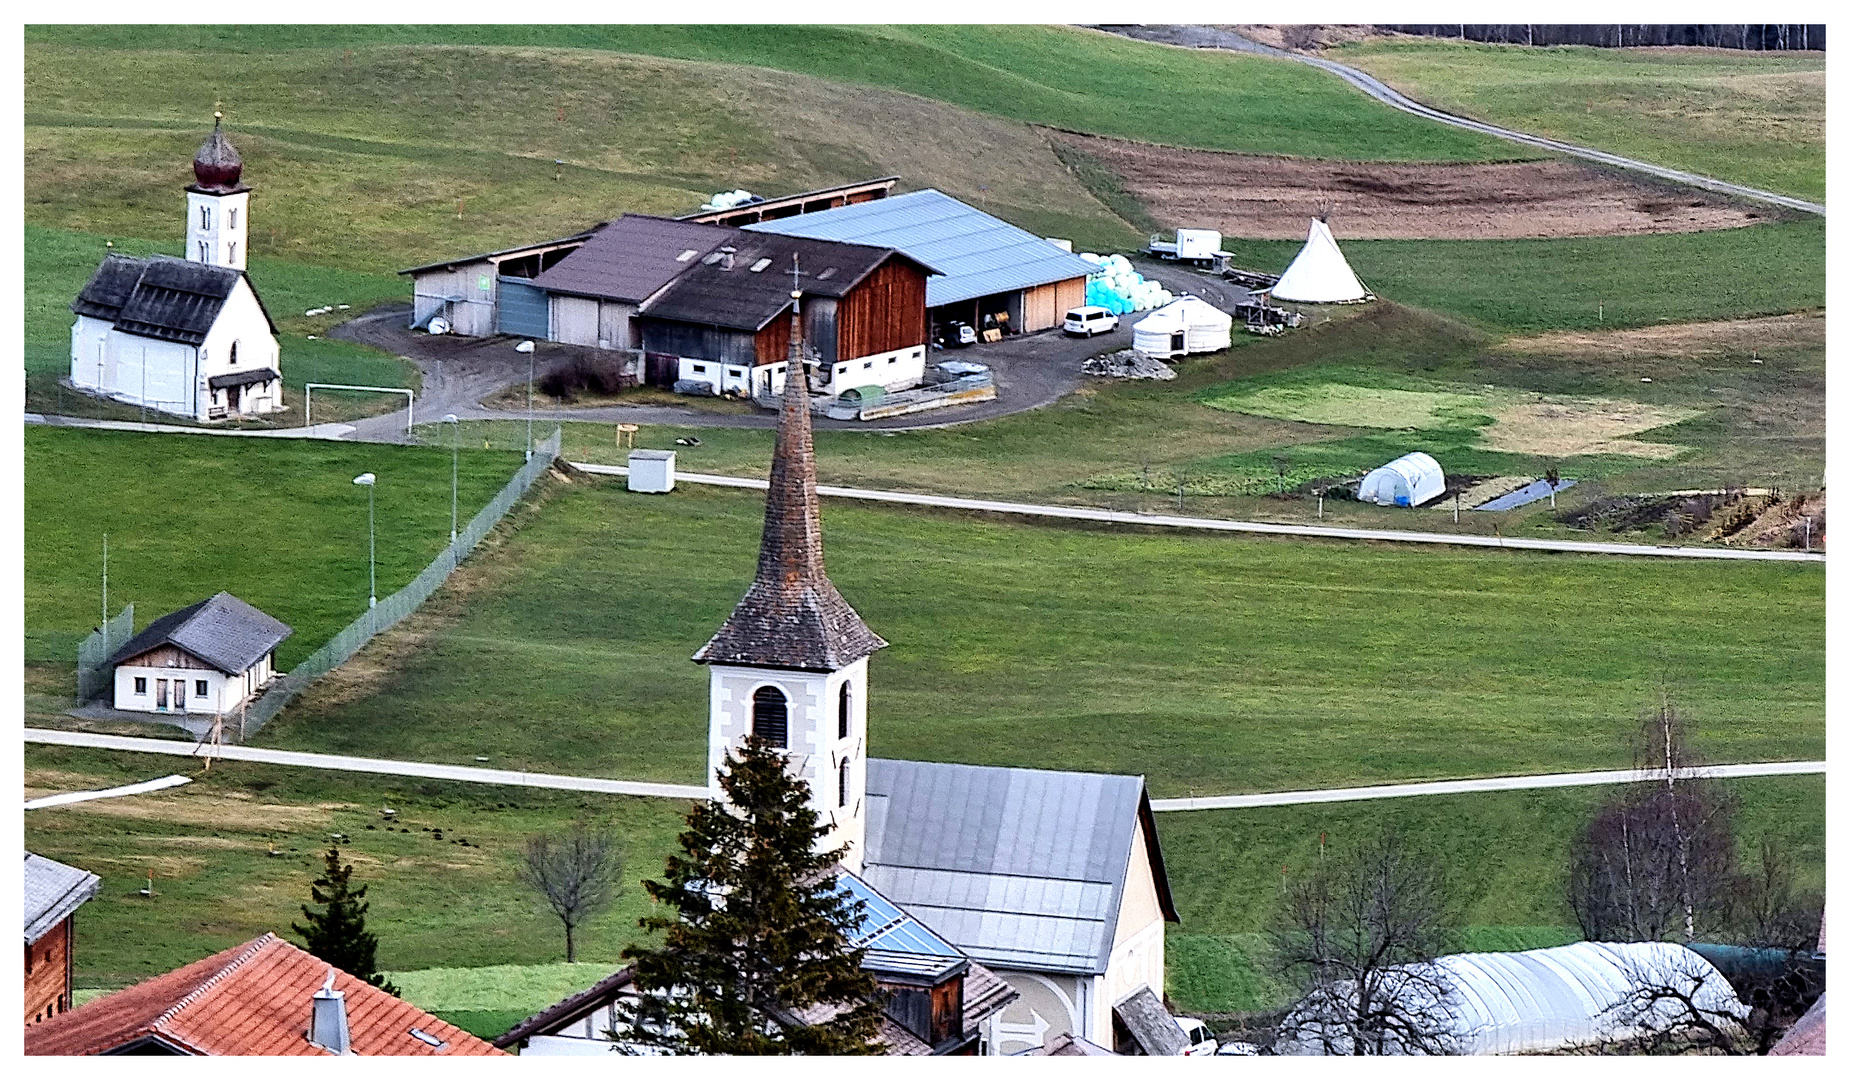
(222, 630)
(160, 296)
(977, 254)
(1021, 868)
(53, 890)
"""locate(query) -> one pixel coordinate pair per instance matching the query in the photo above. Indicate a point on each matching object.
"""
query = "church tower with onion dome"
(217, 205)
(789, 665)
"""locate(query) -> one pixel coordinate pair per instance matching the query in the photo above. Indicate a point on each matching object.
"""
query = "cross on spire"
(796, 276)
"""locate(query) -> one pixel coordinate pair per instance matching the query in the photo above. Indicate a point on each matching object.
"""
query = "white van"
(1090, 321)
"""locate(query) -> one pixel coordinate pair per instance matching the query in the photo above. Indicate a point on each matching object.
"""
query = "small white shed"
(651, 471)
(1409, 480)
(208, 658)
(1187, 325)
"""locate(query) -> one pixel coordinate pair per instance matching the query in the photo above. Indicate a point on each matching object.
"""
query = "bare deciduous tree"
(1359, 935)
(577, 874)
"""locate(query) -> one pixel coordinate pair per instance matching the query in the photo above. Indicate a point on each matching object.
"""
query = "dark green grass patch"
(1207, 663)
(277, 522)
(1061, 76)
(435, 902)
(1504, 853)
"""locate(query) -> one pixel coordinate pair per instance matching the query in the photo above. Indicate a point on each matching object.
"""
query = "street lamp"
(527, 347)
(368, 480)
(455, 429)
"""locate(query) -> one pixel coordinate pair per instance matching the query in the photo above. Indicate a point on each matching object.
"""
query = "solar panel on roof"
(886, 927)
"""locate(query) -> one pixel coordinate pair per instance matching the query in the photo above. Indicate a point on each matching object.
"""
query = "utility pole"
(369, 481)
(106, 581)
(450, 419)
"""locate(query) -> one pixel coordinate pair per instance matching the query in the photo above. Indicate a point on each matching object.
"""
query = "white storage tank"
(651, 471)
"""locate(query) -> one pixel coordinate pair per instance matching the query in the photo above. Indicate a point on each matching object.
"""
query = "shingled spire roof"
(792, 616)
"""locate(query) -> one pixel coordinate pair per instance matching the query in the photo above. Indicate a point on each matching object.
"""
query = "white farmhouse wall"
(90, 353)
(224, 693)
(1137, 949)
(816, 747)
(900, 369)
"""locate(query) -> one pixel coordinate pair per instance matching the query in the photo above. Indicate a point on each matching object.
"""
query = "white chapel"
(184, 336)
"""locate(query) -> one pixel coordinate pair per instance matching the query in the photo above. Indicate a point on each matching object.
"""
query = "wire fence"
(93, 671)
(392, 609)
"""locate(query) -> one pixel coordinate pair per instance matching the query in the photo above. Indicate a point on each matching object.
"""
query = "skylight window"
(712, 259)
(758, 267)
(686, 255)
(427, 1038)
(826, 274)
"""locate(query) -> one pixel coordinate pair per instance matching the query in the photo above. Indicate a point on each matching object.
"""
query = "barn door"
(521, 309)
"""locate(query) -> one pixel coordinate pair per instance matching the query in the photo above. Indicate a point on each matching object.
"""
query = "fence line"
(392, 609)
(94, 674)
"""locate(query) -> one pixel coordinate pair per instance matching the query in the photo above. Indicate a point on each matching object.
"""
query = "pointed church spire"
(792, 616)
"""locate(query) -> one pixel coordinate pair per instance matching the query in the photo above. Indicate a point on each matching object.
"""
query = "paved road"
(1331, 532)
(319, 431)
(1209, 37)
(1461, 787)
(337, 763)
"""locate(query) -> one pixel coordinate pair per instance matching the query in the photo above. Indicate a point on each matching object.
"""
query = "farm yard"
(1661, 348)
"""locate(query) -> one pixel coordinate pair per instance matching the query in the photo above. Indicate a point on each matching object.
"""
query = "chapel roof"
(161, 297)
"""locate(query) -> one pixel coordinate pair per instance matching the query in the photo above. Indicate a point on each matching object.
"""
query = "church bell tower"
(217, 205)
(790, 662)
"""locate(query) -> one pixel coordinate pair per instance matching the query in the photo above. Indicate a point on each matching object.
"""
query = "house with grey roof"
(1053, 880)
(53, 893)
(189, 336)
(208, 659)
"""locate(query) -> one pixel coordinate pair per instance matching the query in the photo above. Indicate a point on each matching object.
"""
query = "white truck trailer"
(1198, 246)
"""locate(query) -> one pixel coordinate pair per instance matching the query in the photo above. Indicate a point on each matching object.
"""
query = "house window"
(892, 359)
(866, 365)
(842, 798)
(845, 710)
(199, 688)
(231, 252)
(700, 369)
(771, 716)
(234, 354)
(141, 684)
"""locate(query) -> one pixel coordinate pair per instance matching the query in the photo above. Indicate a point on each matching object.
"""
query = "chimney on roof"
(327, 1018)
(728, 252)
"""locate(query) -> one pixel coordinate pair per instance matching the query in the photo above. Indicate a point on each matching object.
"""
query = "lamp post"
(527, 347)
(367, 481)
(455, 429)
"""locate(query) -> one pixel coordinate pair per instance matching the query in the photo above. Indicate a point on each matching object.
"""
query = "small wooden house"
(54, 892)
(209, 658)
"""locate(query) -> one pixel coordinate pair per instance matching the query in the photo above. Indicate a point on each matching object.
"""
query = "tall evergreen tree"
(755, 955)
(338, 933)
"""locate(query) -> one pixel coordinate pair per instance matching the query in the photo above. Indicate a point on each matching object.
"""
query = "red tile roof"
(248, 1000)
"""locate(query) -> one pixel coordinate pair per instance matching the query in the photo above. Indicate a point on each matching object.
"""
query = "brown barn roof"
(792, 616)
(632, 257)
(717, 291)
(253, 999)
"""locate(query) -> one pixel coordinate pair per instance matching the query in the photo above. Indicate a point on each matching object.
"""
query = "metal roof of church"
(161, 297)
(977, 254)
(1020, 868)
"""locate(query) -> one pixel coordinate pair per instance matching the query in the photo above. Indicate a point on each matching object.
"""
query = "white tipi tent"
(1320, 274)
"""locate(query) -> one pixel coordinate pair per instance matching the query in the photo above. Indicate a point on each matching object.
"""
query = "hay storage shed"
(1188, 325)
(1408, 480)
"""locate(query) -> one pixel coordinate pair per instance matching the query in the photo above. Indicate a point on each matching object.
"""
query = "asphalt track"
(468, 774)
(1210, 37)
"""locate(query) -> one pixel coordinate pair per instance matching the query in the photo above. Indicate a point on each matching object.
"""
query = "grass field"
(59, 261)
(1057, 76)
(1125, 445)
(1505, 853)
(276, 522)
(1754, 118)
(464, 939)
(1208, 664)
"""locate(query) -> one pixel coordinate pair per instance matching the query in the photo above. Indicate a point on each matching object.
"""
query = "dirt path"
(1271, 198)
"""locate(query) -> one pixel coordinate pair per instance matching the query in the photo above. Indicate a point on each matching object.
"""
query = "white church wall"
(160, 371)
(1049, 1005)
(216, 228)
(89, 352)
(241, 321)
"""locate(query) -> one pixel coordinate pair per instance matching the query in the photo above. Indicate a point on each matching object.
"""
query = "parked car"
(955, 335)
(1200, 1039)
(1089, 321)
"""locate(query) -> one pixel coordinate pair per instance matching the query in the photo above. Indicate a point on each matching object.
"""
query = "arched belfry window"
(771, 716)
(842, 800)
(846, 710)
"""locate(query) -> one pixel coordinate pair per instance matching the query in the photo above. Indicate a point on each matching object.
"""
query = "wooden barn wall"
(167, 656)
(48, 962)
(1045, 306)
(884, 313)
(821, 321)
(773, 342)
(574, 320)
(702, 342)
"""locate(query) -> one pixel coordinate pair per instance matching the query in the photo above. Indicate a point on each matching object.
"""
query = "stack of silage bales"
(1119, 289)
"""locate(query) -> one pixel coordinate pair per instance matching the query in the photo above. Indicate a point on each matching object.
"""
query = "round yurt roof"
(1185, 311)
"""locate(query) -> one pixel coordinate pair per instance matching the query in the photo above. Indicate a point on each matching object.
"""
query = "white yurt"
(1188, 325)
(1408, 480)
(1320, 274)
(1549, 999)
